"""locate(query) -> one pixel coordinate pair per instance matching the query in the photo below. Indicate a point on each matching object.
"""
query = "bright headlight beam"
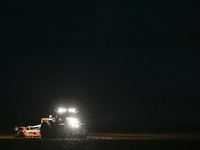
(60, 110)
(71, 110)
(73, 122)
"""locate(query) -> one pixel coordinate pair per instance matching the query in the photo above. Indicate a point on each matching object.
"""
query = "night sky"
(134, 62)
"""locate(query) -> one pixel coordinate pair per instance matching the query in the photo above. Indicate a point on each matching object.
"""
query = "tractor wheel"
(85, 136)
(53, 132)
(45, 130)
(84, 133)
(64, 132)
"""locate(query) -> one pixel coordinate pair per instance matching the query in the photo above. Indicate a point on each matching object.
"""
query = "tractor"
(63, 123)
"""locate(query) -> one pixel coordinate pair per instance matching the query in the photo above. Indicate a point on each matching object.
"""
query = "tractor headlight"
(72, 110)
(60, 110)
(74, 123)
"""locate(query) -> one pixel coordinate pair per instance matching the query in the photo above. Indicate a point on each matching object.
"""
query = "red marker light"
(50, 116)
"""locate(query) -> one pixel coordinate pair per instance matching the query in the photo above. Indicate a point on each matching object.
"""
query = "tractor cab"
(63, 114)
(63, 123)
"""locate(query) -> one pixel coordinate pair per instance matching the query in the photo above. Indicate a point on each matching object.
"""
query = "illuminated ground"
(110, 136)
(104, 142)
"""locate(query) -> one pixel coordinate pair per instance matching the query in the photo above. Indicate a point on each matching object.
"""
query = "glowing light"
(60, 110)
(74, 122)
(16, 129)
(72, 110)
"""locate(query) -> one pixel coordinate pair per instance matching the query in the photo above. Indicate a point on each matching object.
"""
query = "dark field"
(99, 144)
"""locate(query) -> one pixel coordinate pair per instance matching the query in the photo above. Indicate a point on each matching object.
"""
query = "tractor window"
(73, 115)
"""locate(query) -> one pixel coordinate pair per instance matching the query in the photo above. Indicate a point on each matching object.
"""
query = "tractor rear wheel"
(45, 130)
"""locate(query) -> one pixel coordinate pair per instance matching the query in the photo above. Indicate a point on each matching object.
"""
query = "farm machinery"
(29, 131)
(63, 123)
